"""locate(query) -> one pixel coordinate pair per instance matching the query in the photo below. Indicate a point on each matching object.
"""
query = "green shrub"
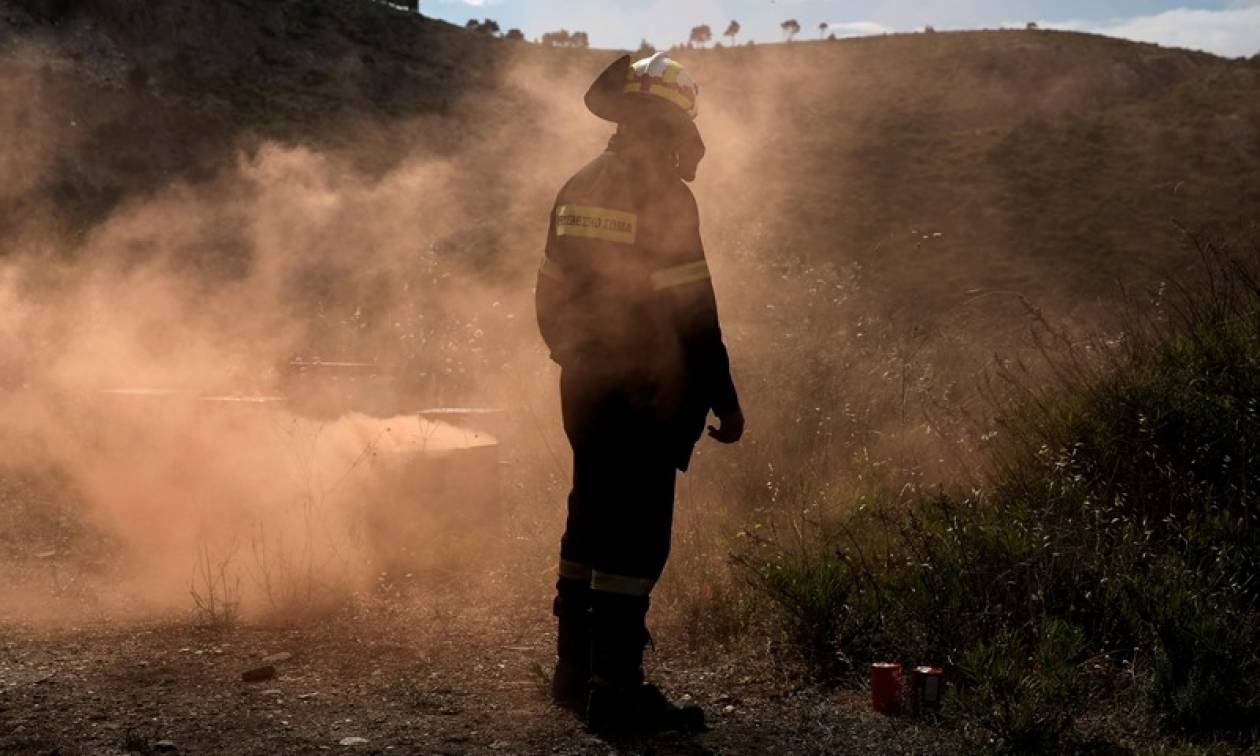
(1026, 692)
(814, 592)
(1118, 518)
(1206, 648)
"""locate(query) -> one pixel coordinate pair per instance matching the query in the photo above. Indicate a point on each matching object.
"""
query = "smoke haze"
(848, 261)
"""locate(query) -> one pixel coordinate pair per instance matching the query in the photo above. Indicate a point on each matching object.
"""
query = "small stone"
(499, 745)
(165, 746)
(272, 692)
(353, 741)
(259, 674)
(728, 709)
(283, 656)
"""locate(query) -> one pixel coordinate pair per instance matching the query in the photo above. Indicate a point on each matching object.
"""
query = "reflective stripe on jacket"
(624, 288)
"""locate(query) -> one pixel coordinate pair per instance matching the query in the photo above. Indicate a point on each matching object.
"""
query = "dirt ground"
(406, 676)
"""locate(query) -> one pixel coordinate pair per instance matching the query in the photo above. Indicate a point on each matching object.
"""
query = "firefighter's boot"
(570, 684)
(621, 704)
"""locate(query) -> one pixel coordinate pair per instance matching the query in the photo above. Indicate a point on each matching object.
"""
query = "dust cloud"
(227, 371)
(178, 363)
(197, 365)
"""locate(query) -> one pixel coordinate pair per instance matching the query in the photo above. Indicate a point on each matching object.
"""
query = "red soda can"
(927, 687)
(886, 687)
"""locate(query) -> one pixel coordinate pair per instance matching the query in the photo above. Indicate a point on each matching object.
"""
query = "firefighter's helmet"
(654, 87)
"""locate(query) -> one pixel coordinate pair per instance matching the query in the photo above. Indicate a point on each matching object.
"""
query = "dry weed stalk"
(215, 588)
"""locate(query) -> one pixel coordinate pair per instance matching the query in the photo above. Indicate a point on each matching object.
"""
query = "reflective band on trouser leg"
(574, 570)
(621, 584)
(680, 275)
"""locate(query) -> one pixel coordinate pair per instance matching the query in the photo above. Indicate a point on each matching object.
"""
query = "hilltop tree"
(646, 50)
(489, 26)
(700, 35)
(413, 6)
(563, 38)
(732, 31)
(556, 39)
(472, 24)
(790, 28)
(822, 29)
(516, 35)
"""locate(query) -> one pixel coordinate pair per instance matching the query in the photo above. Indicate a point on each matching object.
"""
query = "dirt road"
(406, 679)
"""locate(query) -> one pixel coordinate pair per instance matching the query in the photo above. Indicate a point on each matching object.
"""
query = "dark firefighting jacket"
(624, 292)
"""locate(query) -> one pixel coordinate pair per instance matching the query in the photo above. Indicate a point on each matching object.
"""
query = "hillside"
(106, 100)
(1048, 164)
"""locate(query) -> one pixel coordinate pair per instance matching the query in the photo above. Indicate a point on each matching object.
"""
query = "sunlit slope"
(1040, 163)
(945, 165)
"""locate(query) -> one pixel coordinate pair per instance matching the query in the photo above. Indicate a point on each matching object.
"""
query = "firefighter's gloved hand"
(731, 428)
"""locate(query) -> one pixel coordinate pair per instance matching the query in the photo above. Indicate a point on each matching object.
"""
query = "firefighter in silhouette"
(626, 306)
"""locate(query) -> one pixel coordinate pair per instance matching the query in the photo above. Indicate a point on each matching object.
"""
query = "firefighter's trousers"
(617, 535)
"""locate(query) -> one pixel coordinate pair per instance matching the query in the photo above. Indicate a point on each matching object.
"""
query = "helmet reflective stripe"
(664, 78)
(655, 65)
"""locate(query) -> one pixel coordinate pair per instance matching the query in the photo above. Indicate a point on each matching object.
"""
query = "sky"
(1225, 27)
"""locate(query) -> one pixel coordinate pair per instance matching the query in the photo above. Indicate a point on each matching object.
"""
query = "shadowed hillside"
(945, 165)
(121, 97)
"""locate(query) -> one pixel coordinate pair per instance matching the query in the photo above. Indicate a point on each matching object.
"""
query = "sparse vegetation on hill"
(488, 26)
(133, 96)
(1056, 159)
(700, 35)
(565, 38)
(1049, 164)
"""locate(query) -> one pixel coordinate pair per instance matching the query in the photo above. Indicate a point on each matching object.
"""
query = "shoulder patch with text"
(615, 226)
